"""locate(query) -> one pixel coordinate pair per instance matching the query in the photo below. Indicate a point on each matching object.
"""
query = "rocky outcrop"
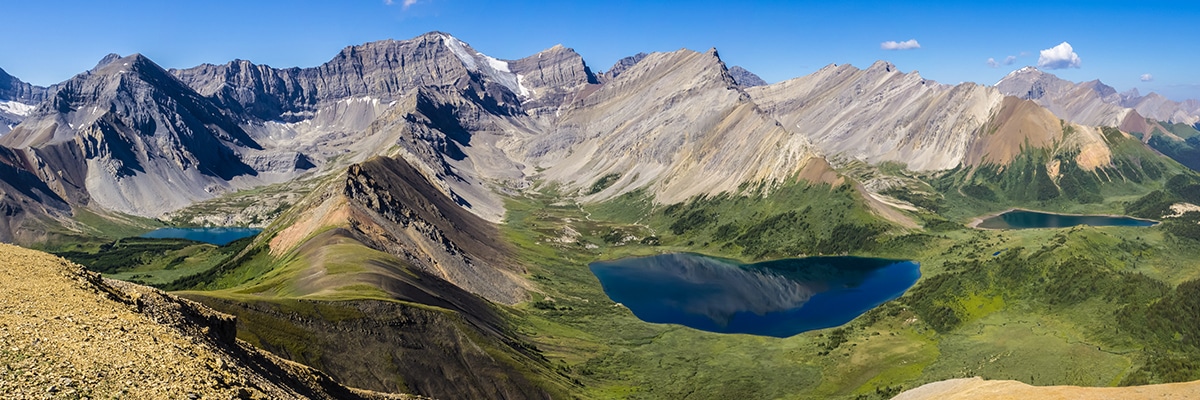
(745, 78)
(400, 212)
(978, 388)
(28, 205)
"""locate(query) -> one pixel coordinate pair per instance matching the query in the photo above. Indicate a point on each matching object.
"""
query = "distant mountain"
(17, 99)
(1089, 103)
(129, 137)
(623, 64)
(13, 89)
(1092, 102)
(744, 77)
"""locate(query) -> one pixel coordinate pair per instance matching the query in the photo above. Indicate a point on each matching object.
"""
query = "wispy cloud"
(405, 4)
(991, 62)
(1147, 77)
(905, 45)
(1059, 57)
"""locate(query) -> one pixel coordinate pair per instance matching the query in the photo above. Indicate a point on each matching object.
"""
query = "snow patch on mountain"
(495, 69)
(16, 108)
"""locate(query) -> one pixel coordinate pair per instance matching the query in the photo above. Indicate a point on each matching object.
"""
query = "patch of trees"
(126, 254)
(603, 183)
(790, 221)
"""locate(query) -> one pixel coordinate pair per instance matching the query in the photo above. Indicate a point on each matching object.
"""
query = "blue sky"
(1115, 41)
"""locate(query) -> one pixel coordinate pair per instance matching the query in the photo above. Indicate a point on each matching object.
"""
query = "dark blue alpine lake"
(217, 236)
(1024, 219)
(778, 298)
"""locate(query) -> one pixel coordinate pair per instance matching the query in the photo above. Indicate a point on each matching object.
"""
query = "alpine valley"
(428, 215)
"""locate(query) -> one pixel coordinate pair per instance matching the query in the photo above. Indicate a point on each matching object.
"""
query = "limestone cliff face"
(1090, 103)
(880, 114)
(676, 123)
(383, 70)
(552, 76)
(143, 142)
(17, 99)
(13, 89)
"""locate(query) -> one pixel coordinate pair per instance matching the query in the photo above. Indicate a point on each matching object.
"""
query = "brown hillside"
(66, 332)
(1018, 124)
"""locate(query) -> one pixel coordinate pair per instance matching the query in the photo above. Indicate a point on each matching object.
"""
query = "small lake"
(778, 298)
(1023, 219)
(219, 236)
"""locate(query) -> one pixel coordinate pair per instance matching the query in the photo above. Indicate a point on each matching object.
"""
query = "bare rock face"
(676, 123)
(145, 143)
(404, 214)
(745, 78)
(622, 65)
(551, 75)
(13, 89)
(26, 201)
(17, 99)
(881, 114)
(1090, 103)
(384, 70)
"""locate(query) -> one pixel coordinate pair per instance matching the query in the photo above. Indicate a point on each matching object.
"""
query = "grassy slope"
(972, 314)
(1055, 325)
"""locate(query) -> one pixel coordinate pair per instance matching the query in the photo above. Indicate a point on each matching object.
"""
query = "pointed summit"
(108, 59)
(745, 78)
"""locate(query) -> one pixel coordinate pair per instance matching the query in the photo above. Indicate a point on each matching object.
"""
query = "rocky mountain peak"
(548, 77)
(744, 77)
(13, 89)
(107, 59)
(882, 66)
(624, 64)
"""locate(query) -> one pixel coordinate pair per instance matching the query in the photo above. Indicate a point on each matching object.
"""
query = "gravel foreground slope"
(978, 388)
(68, 333)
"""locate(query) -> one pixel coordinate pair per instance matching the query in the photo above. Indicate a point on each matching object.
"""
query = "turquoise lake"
(218, 236)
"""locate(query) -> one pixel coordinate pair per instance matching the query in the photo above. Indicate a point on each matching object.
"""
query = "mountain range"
(133, 138)
(389, 170)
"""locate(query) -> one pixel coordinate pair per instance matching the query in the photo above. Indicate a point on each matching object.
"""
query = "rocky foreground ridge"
(68, 333)
(980, 389)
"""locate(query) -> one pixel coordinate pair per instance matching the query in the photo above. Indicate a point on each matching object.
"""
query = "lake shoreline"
(979, 220)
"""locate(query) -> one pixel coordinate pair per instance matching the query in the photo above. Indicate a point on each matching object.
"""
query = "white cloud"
(905, 45)
(991, 62)
(1010, 60)
(1147, 77)
(1059, 57)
